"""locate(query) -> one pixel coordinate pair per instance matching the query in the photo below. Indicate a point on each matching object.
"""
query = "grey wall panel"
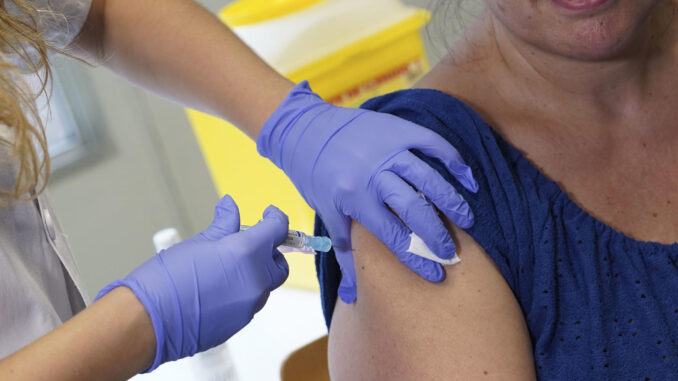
(147, 174)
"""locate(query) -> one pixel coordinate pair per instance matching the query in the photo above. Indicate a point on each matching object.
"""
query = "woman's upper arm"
(402, 327)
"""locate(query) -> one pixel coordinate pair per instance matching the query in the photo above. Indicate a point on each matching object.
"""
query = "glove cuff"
(273, 133)
(155, 316)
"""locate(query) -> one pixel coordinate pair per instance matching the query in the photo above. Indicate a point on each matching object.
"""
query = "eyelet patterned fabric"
(599, 305)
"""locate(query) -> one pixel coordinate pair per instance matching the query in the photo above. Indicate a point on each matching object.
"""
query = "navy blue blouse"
(598, 304)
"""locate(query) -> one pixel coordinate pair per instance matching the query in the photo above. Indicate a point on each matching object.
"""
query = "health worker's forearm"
(111, 340)
(181, 51)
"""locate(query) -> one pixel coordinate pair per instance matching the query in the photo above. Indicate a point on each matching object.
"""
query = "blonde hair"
(24, 51)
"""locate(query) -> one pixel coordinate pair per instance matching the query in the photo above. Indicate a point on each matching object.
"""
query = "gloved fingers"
(391, 231)
(425, 268)
(271, 230)
(416, 212)
(348, 291)
(226, 220)
(339, 228)
(430, 183)
(384, 225)
(279, 270)
(434, 145)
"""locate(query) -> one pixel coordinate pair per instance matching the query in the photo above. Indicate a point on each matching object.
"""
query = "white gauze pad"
(419, 248)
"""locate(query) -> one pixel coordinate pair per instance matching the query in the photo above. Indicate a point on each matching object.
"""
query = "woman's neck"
(604, 131)
(604, 93)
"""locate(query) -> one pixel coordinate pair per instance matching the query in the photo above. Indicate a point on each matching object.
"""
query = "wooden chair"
(308, 363)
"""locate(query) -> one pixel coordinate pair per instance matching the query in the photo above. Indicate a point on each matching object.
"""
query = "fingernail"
(225, 204)
(471, 219)
(468, 217)
(470, 182)
(474, 186)
(347, 297)
(273, 212)
(438, 275)
(463, 215)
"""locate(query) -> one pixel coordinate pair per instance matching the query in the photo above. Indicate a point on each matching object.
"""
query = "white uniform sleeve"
(69, 16)
(59, 26)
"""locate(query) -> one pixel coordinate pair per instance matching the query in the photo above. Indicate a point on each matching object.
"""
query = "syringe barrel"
(295, 239)
(295, 242)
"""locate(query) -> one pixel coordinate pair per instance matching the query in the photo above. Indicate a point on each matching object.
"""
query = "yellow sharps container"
(349, 51)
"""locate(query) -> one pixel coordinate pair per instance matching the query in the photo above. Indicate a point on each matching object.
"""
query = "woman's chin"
(597, 43)
(595, 53)
(600, 30)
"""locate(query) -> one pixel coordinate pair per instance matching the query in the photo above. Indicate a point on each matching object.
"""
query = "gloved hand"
(354, 164)
(203, 290)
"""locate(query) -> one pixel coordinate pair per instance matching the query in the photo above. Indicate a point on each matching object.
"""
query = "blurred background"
(127, 164)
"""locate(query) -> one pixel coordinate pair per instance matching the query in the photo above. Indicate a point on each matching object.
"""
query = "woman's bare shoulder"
(470, 326)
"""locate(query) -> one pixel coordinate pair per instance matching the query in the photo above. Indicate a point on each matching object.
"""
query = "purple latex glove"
(203, 290)
(351, 163)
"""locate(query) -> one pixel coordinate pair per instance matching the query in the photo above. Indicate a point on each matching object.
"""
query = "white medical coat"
(40, 286)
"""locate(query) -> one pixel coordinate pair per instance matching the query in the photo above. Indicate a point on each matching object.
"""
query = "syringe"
(299, 242)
